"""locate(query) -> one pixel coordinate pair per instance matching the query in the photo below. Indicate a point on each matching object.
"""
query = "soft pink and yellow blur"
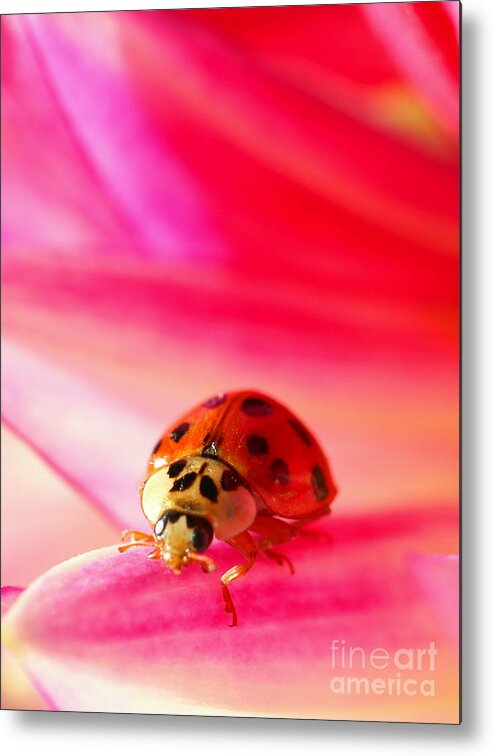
(211, 199)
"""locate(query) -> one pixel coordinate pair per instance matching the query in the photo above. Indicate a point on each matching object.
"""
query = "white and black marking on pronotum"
(176, 468)
(181, 484)
(208, 488)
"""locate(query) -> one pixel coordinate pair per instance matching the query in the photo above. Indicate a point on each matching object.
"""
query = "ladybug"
(237, 464)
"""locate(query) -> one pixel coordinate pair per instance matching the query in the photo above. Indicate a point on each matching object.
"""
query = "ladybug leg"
(274, 532)
(131, 538)
(137, 535)
(245, 544)
(206, 563)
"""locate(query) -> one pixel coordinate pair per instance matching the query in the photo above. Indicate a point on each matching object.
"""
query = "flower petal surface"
(137, 639)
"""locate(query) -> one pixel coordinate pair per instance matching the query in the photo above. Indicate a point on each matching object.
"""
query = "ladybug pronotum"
(238, 464)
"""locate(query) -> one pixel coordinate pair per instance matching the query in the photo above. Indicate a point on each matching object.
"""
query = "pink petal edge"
(9, 595)
(96, 442)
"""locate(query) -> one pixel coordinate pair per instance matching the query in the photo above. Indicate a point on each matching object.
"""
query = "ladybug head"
(183, 538)
(191, 500)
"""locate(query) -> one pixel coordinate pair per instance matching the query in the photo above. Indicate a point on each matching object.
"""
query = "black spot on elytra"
(230, 480)
(300, 430)
(215, 401)
(179, 432)
(280, 471)
(208, 488)
(181, 484)
(318, 483)
(255, 407)
(176, 467)
(156, 447)
(202, 469)
(257, 445)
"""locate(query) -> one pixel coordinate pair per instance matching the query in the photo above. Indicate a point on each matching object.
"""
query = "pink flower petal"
(44, 174)
(334, 54)
(439, 577)
(17, 690)
(9, 596)
(453, 11)
(329, 155)
(44, 521)
(384, 343)
(182, 137)
(336, 155)
(93, 442)
(111, 632)
(323, 295)
(423, 39)
(157, 205)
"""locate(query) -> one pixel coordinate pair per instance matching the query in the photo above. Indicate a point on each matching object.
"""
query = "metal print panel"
(231, 361)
